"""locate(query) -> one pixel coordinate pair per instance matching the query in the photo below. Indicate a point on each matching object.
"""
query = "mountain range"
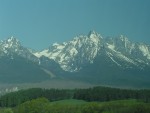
(92, 59)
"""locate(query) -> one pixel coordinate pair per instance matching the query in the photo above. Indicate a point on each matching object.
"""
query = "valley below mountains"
(82, 62)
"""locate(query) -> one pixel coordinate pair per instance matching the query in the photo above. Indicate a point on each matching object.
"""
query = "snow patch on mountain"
(12, 47)
(73, 54)
(44, 53)
(111, 57)
(112, 47)
(145, 50)
(82, 50)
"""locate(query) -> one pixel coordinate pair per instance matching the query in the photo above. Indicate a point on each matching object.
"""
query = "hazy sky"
(39, 23)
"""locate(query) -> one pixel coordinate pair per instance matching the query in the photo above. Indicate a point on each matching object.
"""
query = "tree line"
(108, 94)
(90, 94)
(15, 98)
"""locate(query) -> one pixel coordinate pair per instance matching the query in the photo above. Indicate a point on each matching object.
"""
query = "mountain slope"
(92, 58)
(18, 64)
(105, 71)
(98, 60)
(82, 50)
(20, 70)
(66, 54)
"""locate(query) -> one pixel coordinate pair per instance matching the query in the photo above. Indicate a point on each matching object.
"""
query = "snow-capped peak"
(123, 38)
(10, 42)
(82, 50)
(12, 47)
(12, 39)
(55, 44)
(66, 54)
(94, 34)
(145, 49)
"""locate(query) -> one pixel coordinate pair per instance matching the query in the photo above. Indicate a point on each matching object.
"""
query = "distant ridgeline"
(99, 94)
(91, 58)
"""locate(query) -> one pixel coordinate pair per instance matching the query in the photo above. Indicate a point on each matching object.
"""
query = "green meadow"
(42, 105)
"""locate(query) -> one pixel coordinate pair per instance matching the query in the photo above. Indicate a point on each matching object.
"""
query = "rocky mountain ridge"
(82, 50)
(91, 59)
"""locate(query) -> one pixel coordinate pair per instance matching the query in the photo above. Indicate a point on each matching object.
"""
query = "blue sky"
(39, 23)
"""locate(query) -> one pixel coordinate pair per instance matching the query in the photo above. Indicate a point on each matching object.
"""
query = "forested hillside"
(91, 100)
(98, 94)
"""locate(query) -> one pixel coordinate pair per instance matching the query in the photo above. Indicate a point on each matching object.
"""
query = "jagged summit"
(86, 57)
(83, 50)
(12, 47)
(94, 33)
(11, 43)
(9, 46)
(123, 38)
(70, 54)
(12, 39)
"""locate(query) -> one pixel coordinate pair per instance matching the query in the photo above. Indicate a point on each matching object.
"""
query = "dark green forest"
(90, 100)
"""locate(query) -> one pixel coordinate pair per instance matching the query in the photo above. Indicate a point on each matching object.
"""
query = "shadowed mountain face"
(20, 70)
(91, 58)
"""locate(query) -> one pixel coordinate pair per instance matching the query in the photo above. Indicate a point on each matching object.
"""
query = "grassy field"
(69, 102)
(80, 106)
